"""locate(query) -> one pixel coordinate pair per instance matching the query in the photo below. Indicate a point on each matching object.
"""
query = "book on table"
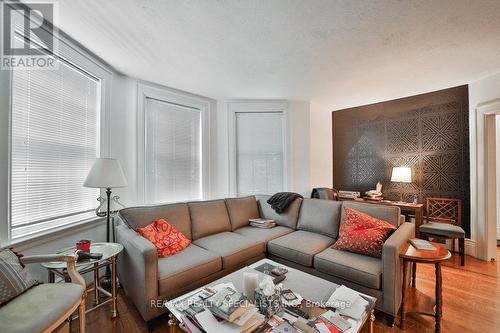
(227, 304)
(220, 309)
(422, 244)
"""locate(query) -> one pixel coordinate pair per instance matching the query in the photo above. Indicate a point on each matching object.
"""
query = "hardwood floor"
(471, 303)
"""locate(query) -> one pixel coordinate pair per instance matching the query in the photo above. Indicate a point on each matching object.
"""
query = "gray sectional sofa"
(224, 242)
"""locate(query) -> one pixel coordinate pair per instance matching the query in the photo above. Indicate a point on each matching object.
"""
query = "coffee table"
(312, 288)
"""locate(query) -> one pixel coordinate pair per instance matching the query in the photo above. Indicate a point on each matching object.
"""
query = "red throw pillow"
(362, 233)
(166, 238)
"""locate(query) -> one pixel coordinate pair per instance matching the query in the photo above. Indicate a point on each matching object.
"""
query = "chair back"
(444, 210)
(325, 193)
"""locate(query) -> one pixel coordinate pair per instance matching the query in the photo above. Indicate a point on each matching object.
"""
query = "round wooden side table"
(410, 254)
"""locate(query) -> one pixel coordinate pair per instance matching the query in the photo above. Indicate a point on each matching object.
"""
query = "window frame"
(72, 53)
(257, 106)
(148, 90)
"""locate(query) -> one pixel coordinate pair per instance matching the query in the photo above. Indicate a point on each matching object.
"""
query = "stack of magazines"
(220, 309)
(262, 223)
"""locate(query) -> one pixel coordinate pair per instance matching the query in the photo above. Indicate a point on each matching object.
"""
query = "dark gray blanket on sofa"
(281, 200)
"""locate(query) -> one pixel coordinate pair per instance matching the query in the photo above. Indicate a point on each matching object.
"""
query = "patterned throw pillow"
(362, 233)
(14, 278)
(167, 239)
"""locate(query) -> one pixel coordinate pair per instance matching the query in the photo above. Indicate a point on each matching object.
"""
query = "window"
(173, 152)
(259, 148)
(55, 133)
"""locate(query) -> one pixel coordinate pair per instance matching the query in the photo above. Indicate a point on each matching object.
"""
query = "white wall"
(321, 162)
(123, 145)
(498, 173)
(300, 146)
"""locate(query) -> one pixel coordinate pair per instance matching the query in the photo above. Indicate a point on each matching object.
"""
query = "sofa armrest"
(392, 267)
(138, 269)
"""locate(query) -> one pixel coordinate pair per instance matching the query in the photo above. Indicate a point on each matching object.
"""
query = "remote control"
(82, 255)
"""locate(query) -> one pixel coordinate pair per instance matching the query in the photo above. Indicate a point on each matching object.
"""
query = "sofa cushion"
(362, 233)
(176, 214)
(208, 218)
(185, 267)
(167, 240)
(14, 278)
(299, 246)
(39, 307)
(357, 268)
(263, 235)
(386, 213)
(232, 247)
(286, 219)
(240, 210)
(320, 216)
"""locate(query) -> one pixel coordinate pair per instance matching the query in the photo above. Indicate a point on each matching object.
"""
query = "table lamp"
(401, 175)
(106, 173)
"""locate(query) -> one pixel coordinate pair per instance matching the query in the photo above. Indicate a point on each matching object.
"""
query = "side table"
(109, 252)
(410, 254)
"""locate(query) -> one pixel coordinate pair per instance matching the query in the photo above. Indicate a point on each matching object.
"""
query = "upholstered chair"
(46, 307)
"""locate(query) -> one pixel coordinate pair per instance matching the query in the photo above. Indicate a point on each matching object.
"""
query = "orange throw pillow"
(166, 238)
(362, 233)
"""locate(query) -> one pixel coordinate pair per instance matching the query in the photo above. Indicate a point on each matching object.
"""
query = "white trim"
(235, 106)
(483, 203)
(25, 243)
(205, 105)
(470, 248)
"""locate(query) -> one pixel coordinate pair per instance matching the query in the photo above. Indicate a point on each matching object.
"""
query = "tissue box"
(268, 305)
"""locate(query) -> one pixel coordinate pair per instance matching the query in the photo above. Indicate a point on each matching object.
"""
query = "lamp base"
(106, 281)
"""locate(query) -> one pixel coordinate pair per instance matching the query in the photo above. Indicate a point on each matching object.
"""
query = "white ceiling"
(335, 53)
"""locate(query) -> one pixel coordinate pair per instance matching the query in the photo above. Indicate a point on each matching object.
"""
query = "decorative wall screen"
(428, 133)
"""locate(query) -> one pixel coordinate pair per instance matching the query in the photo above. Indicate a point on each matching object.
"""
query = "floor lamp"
(106, 173)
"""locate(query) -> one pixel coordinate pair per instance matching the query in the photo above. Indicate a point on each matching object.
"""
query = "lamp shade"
(401, 175)
(105, 173)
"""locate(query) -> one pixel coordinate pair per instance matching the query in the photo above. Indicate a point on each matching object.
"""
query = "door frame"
(484, 197)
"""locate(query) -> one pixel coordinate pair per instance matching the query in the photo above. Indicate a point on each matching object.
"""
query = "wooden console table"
(418, 209)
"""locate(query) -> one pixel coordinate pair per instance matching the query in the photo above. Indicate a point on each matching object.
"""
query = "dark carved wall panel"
(428, 133)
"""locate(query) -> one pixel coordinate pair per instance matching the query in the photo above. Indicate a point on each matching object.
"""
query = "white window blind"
(54, 141)
(173, 167)
(259, 152)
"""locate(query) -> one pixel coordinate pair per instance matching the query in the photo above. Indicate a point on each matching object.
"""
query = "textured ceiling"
(335, 53)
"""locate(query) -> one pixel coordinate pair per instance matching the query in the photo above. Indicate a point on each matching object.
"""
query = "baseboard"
(470, 247)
